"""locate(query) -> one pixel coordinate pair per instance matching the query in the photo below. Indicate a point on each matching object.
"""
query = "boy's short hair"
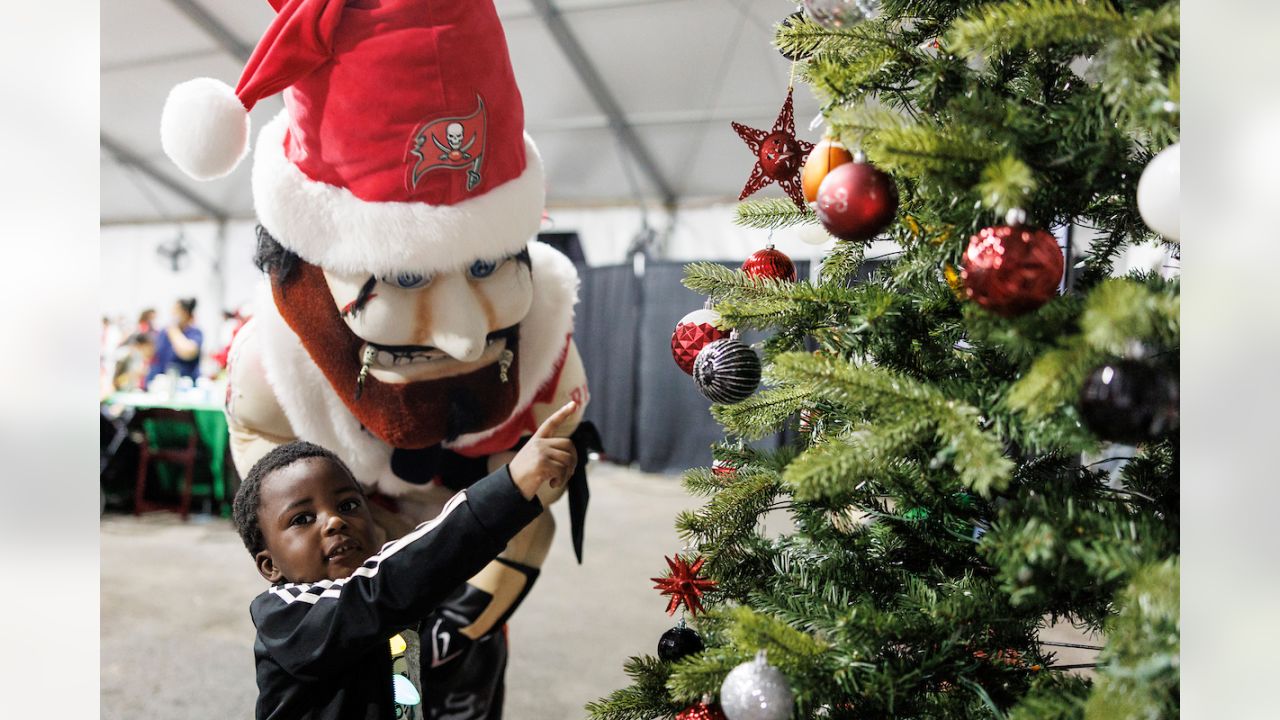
(244, 509)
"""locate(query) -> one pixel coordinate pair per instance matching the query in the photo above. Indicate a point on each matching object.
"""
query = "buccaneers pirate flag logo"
(452, 143)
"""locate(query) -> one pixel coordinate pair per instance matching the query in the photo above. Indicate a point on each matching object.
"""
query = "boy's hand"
(545, 457)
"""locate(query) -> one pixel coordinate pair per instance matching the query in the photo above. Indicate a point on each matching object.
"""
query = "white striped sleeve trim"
(331, 589)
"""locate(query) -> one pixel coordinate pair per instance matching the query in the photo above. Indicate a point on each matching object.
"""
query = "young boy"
(323, 628)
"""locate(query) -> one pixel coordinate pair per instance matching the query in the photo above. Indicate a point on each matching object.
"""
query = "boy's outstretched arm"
(311, 630)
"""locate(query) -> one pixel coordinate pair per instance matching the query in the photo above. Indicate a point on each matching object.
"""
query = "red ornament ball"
(780, 155)
(1012, 269)
(856, 201)
(770, 263)
(702, 711)
(694, 332)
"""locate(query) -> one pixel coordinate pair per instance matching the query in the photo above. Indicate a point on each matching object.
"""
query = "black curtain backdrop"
(648, 411)
(608, 314)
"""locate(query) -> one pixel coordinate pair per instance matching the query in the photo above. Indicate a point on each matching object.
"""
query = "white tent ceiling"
(679, 71)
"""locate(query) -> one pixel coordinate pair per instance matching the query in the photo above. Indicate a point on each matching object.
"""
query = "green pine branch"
(836, 468)
(927, 149)
(644, 699)
(885, 397)
(1006, 183)
(797, 654)
(843, 262)
(762, 414)
(1118, 315)
(1033, 24)
(1139, 675)
(772, 214)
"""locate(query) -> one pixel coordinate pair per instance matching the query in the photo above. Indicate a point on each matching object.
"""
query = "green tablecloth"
(211, 425)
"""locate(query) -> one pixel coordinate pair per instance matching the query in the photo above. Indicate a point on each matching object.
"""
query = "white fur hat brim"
(330, 227)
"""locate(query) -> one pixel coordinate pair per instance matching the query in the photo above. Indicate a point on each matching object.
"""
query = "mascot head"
(397, 194)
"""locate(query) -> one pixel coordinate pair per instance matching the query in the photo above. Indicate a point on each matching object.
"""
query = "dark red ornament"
(856, 201)
(723, 468)
(779, 154)
(683, 585)
(694, 332)
(1012, 269)
(770, 263)
(702, 711)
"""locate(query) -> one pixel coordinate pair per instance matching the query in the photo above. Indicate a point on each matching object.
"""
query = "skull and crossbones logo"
(455, 150)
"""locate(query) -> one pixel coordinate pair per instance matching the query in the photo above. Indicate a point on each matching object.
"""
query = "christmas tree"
(955, 487)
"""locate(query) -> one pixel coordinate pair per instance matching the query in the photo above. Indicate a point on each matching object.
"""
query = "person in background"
(178, 346)
(133, 363)
(108, 347)
(110, 339)
(147, 322)
(233, 320)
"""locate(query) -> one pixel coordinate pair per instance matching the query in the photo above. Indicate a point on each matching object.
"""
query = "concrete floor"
(177, 642)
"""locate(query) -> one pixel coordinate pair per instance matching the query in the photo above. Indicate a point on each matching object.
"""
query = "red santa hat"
(401, 145)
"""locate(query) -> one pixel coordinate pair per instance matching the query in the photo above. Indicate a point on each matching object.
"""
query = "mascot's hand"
(545, 458)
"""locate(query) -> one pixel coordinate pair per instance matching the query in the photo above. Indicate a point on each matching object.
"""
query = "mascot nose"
(459, 321)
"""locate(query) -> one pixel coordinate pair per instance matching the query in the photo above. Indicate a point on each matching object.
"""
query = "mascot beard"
(454, 405)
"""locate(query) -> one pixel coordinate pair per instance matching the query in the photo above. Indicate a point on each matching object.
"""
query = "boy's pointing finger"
(553, 423)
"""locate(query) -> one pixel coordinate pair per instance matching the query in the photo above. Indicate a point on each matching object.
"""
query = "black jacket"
(322, 649)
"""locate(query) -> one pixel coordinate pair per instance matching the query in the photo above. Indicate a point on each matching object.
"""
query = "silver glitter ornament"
(835, 14)
(756, 690)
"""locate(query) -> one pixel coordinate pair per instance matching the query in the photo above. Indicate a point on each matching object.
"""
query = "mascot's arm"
(531, 545)
(255, 419)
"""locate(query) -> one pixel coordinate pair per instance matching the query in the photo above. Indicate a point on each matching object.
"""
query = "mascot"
(409, 322)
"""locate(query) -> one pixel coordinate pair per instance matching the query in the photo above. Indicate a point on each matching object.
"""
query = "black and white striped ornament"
(727, 371)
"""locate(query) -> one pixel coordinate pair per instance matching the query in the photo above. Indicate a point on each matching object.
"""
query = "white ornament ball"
(756, 690)
(1159, 196)
(814, 235)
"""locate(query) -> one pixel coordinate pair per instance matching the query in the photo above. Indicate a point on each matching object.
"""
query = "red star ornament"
(684, 585)
(780, 156)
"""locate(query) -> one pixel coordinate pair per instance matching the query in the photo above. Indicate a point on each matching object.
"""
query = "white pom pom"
(204, 128)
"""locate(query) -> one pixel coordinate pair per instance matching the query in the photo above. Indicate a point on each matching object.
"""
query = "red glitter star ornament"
(779, 155)
(684, 585)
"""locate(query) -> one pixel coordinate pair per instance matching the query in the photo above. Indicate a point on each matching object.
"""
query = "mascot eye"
(483, 268)
(406, 280)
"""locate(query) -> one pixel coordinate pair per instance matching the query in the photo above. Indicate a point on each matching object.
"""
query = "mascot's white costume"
(409, 323)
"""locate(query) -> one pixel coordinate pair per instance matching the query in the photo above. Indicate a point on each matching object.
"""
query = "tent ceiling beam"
(582, 6)
(590, 76)
(214, 27)
(655, 119)
(127, 157)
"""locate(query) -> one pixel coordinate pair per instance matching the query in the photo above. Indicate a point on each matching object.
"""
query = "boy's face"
(315, 521)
